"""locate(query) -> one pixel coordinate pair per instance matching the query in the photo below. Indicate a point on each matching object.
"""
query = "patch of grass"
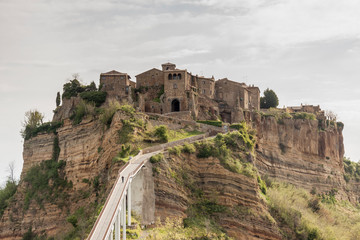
(310, 218)
(108, 112)
(181, 134)
(161, 132)
(83, 109)
(126, 132)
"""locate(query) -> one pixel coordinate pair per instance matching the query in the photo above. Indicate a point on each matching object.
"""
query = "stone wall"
(152, 77)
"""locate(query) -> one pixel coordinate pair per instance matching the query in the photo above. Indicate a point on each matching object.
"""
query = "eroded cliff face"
(88, 150)
(290, 150)
(179, 178)
(297, 151)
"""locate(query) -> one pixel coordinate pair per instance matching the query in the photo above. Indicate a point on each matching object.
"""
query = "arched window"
(169, 76)
(175, 86)
(179, 76)
(174, 76)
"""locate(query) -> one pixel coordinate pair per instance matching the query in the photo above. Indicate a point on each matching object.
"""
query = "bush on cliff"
(6, 195)
(95, 97)
(161, 132)
(304, 115)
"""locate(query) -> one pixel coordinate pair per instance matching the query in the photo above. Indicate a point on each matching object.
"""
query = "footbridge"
(134, 178)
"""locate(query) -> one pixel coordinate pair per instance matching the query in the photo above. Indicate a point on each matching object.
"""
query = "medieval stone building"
(173, 91)
(117, 85)
(176, 90)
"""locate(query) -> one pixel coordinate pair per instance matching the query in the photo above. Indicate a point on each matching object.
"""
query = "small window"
(179, 76)
(122, 77)
(175, 86)
(203, 82)
(203, 91)
(170, 76)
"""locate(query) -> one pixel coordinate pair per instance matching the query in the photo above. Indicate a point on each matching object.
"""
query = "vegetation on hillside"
(352, 170)
(301, 215)
(47, 180)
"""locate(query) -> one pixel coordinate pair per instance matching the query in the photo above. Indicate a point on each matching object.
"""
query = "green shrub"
(74, 87)
(95, 97)
(73, 220)
(188, 148)
(340, 125)
(71, 89)
(210, 122)
(161, 132)
(48, 127)
(205, 150)
(6, 195)
(175, 150)
(128, 109)
(262, 185)
(156, 158)
(304, 115)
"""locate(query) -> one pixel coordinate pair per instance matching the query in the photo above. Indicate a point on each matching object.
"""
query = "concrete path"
(107, 216)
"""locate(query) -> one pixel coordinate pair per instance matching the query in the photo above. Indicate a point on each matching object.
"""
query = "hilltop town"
(179, 93)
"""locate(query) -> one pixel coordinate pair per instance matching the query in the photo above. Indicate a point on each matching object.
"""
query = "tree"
(58, 99)
(269, 99)
(11, 170)
(330, 115)
(33, 119)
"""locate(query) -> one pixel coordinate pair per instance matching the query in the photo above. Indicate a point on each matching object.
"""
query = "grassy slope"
(306, 216)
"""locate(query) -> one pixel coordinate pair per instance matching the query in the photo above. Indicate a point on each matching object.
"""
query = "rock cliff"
(299, 152)
(291, 150)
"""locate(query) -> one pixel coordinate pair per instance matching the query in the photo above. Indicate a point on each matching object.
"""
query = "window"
(175, 86)
(179, 76)
(122, 77)
(204, 82)
(170, 76)
(175, 76)
(203, 91)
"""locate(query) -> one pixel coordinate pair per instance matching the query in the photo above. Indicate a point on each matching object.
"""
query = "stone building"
(118, 85)
(234, 97)
(176, 90)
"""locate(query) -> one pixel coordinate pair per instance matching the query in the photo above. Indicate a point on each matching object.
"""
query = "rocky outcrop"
(247, 216)
(297, 151)
(88, 149)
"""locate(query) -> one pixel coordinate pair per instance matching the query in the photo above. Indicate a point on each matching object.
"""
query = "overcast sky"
(307, 51)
